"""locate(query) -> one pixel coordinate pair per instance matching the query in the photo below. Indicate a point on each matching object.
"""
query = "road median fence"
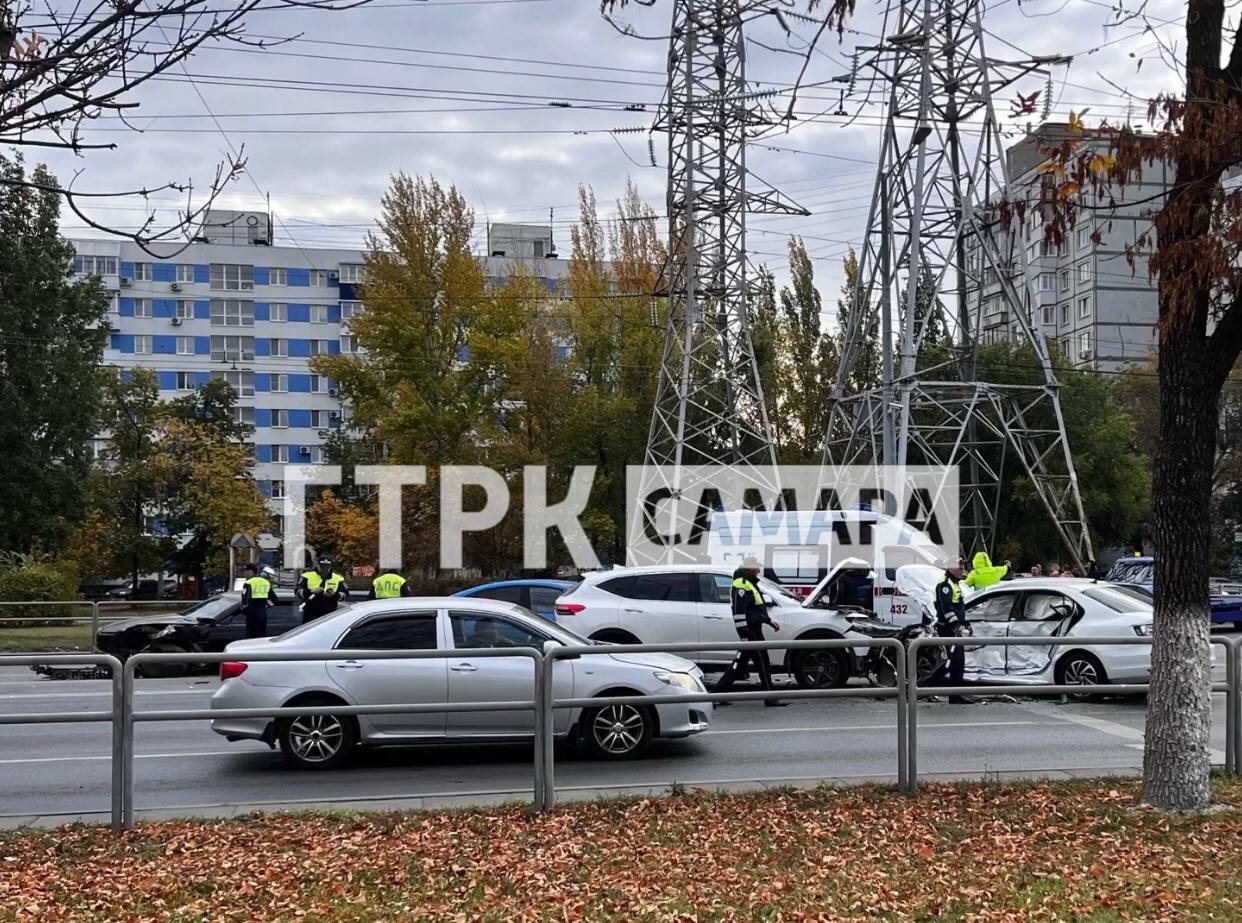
(906, 693)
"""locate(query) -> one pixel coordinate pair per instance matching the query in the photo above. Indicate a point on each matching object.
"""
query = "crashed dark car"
(207, 626)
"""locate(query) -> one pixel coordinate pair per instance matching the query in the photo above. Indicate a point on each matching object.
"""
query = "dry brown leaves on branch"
(975, 853)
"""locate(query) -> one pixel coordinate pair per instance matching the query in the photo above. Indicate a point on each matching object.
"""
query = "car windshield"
(1119, 599)
(212, 608)
(1132, 572)
(776, 590)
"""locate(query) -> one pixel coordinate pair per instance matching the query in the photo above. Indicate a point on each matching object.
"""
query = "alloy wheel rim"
(316, 738)
(821, 668)
(618, 728)
(1080, 673)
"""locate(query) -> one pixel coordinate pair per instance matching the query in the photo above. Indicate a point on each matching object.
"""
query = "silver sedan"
(446, 624)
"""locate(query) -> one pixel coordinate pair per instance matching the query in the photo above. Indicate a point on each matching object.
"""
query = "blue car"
(537, 594)
(1140, 573)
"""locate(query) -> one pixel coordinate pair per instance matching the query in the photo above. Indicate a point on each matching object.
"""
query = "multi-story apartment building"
(1084, 295)
(233, 306)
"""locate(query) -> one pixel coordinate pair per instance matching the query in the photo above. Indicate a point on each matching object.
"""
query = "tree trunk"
(1179, 712)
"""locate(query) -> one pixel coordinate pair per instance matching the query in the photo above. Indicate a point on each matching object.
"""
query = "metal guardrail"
(96, 612)
(907, 693)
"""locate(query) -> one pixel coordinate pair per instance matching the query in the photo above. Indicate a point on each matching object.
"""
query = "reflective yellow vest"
(388, 586)
(741, 583)
(260, 587)
(314, 581)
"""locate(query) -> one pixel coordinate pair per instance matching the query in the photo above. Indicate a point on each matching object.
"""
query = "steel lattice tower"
(709, 406)
(941, 163)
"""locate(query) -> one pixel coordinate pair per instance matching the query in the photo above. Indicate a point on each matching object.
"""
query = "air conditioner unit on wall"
(1086, 354)
(126, 281)
(304, 450)
(175, 286)
(176, 321)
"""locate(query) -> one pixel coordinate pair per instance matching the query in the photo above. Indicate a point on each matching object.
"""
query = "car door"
(498, 679)
(226, 629)
(715, 608)
(400, 681)
(1041, 614)
(659, 608)
(989, 618)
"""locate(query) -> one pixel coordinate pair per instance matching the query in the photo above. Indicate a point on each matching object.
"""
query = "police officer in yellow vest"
(389, 585)
(750, 614)
(320, 590)
(257, 594)
(951, 622)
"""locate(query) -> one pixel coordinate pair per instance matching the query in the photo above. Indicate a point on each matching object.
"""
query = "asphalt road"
(51, 773)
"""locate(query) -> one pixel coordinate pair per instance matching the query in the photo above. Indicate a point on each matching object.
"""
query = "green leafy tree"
(854, 302)
(51, 342)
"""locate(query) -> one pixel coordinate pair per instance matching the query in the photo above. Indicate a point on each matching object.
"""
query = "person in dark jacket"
(257, 593)
(951, 622)
(750, 614)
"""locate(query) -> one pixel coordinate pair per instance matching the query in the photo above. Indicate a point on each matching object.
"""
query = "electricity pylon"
(931, 244)
(709, 406)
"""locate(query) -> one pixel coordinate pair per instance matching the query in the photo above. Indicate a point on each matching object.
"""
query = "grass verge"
(45, 638)
(978, 853)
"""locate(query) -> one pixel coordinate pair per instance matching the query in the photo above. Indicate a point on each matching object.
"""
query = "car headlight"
(1143, 631)
(684, 680)
(164, 632)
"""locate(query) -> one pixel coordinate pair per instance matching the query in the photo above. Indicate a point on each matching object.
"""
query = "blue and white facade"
(252, 314)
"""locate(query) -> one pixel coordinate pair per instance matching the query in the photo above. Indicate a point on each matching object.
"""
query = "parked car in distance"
(537, 594)
(207, 626)
(1140, 573)
(148, 589)
(691, 603)
(446, 623)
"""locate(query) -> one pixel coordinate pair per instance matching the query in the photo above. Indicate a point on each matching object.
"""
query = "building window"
(142, 272)
(185, 272)
(185, 346)
(319, 278)
(1084, 272)
(230, 312)
(278, 311)
(243, 415)
(142, 344)
(280, 453)
(319, 314)
(231, 349)
(352, 272)
(240, 382)
(278, 383)
(1084, 346)
(318, 383)
(1084, 306)
(1065, 280)
(278, 490)
(318, 347)
(185, 381)
(1084, 237)
(349, 344)
(94, 265)
(278, 275)
(142, 307)
(349, 309)
(114, 305)
(232, 277)
(184, 310)
(1047, 315)
(1047, 282)
(279, 349)
(280, 419)
(322, 419)
(1064, 315)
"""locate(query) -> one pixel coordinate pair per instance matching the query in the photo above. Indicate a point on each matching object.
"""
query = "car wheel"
(617, 732)
(1081, 669)
(318, 741)
(614, 636)
(821, 669)
(164, 670)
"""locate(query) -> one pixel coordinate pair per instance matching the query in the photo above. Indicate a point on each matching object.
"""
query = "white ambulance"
(816, 555)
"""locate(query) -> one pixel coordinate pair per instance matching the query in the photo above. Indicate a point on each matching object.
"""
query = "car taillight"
(569, 608)
(231, 668)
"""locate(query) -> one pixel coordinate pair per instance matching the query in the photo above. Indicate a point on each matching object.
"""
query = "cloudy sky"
(461, 89)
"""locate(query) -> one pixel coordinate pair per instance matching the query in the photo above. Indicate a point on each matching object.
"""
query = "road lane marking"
(879, 727)
(1104, 726)
(137, 756)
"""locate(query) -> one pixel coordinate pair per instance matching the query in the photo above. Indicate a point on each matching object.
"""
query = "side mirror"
(551, 645)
